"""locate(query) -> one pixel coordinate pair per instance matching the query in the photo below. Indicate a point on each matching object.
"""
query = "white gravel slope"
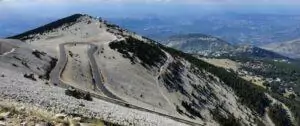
(13, 86)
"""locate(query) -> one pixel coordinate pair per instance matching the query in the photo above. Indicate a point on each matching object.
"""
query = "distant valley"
(253, 29)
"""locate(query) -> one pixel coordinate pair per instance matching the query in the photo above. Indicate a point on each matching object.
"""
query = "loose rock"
(4, 115)
(2, 123)
(60, 116)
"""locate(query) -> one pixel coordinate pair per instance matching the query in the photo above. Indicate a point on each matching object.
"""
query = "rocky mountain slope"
(212, 46)
(289, 49)
(121, 77)
(19, 56)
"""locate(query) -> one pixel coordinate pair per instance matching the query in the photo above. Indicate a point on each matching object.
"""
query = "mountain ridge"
(149, 75)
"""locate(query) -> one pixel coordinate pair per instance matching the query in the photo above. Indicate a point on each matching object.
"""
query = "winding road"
(97, 80)
(55, 78)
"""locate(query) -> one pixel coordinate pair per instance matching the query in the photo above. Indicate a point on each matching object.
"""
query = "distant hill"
(199, 43)
(289, 49)
(208, 45)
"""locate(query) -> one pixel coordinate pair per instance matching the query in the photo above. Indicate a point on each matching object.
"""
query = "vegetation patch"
(49, 69)
(288, 73)
(78, 94)
(30, 76)
(24, 63)
(179, 110)
(192, 109)
(293, 105)
(149, 54)
(204, 91)
(172, 80)
(230, 120)
(15, 65)
(38, 54)
(279, 116)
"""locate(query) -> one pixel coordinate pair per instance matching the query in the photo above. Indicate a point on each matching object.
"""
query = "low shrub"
(78, 94)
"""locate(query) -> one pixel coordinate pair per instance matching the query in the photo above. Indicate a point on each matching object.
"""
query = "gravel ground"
(15, 87)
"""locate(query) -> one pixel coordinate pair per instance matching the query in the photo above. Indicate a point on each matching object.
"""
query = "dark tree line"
(279, 116)
(149, 54)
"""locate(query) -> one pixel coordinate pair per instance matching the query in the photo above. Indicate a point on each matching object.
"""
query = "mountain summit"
(106, 72)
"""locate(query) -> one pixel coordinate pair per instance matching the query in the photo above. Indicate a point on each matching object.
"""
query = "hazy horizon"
(35, 13)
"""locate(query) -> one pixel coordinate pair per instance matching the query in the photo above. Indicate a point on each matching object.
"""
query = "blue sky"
(34, 13)
(54, 8)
